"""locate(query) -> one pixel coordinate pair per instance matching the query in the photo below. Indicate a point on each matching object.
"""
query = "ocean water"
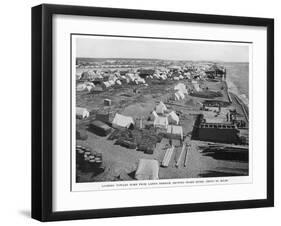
(237, 77)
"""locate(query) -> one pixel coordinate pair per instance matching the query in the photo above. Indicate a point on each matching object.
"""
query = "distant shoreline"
(89, 59)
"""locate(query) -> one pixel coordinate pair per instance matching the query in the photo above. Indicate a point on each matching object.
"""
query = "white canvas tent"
(88, 75)
(89, 86)
(161, 108)
(148, 169)
(177, 96)
(81, 87)
(156, 76)
(111, 82)
(82, 113)
(197, 87)
(163, 77)
(106, 84)
(175, 131)
(122, 121)
(180, 94)
(130, 77)
(161, 122)
(112, 77)
(153, 115)
(173, 118)
(181, 87)
(140, 80)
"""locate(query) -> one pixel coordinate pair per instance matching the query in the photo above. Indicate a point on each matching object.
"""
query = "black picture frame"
(42, 107)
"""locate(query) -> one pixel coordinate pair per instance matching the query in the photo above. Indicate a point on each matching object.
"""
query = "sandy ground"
(120, 163)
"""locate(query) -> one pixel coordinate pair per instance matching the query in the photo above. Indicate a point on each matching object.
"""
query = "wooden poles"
(167, 157)
(181, 153)
(186, 155)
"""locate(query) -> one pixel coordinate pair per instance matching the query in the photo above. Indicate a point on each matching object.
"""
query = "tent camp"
(174, 132)
(173, 118)
(82, 113)
(161, 122)
(161, 108)
(148, 169)
(122, 121)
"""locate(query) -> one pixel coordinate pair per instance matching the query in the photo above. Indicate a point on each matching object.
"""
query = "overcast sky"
(111, 47)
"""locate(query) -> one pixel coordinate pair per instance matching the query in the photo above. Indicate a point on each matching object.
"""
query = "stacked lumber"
(181, 153)
(167, 157)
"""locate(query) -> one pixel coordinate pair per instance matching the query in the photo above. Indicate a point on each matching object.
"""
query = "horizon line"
(163, 59)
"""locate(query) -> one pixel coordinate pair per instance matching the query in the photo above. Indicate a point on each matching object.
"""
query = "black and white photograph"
(159, 108)
(140, 112)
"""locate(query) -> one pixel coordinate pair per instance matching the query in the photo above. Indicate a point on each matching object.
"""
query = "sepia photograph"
(159, 108)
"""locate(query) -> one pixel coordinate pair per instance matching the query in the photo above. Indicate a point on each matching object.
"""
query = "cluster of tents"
(166, 120)
(134, 78)
(161, 111)
(177, 75)
(88, 79)
(119, 121)
(161, 118)
(162, 75)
